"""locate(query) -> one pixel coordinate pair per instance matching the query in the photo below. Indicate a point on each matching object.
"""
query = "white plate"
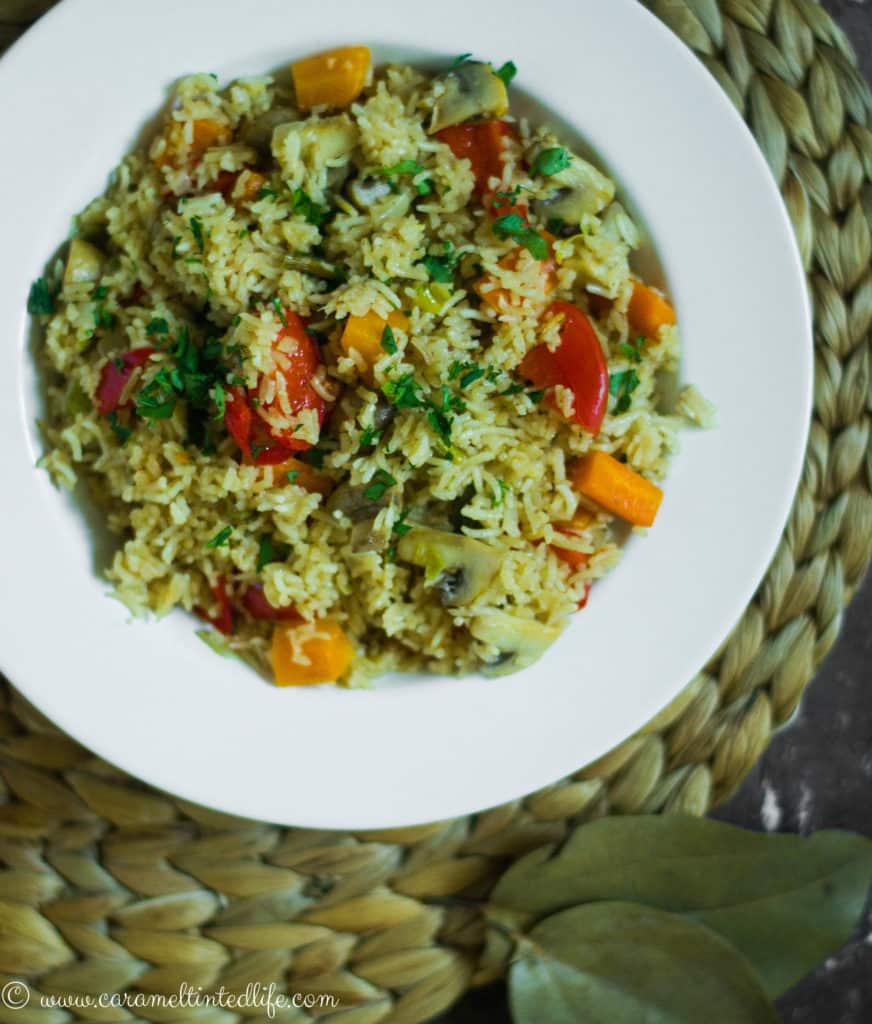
(151, 697)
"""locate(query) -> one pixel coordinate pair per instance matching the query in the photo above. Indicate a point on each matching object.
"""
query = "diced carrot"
(574, 559)
(364, 333)
(248, 186)
(303, 475)
(502, 299)
(331, 79)
(304, 654)
(205, 133)
(616, 488)
(578, 524)
(648, 310)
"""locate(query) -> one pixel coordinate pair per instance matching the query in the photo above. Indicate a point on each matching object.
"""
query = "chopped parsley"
(632, 351)
(441, 268)
(380, 483)
(462, 59)
(219, 396)
(369, 437)
(157, 325)
(269, 552)
(621, 386)
(157, 400)
(121, 432)
(507, 72)
(176, 241)
(315, 457)
(536, 396)
(403, 167)
(388, 341)
(292, 475)
(469, 373)
(403, 393)
(39, 299)
(102, 316)
(197, 232)
(401, 527)
(550, 161)
(220, 539)
(513, 389)
(511, 225)
(101, 291)
(277, 306)
(267, 193)
(502, 491)
(312, 212)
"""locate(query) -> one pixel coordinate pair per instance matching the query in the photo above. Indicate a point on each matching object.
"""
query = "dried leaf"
(784, 901)
(617, 963)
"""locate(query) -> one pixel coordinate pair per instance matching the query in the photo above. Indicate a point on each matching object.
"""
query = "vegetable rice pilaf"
(356, 366)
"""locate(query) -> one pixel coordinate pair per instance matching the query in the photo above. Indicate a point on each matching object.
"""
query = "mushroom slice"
(460, 567)
(258, 131)
(84, 263)
(520, 642)
(579, 190)
(472, 89)
(367, 190)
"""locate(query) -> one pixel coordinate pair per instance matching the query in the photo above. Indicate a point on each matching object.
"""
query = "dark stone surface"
(816, 774)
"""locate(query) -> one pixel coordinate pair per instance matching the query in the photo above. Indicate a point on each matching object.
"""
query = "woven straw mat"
(113, 887)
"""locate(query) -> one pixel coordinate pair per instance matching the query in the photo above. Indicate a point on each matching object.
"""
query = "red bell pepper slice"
(223, 619)
(482, 145)
(578, 363)
(255, 603)
(113, 380)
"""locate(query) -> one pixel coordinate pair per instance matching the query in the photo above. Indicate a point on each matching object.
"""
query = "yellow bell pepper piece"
(331, 79)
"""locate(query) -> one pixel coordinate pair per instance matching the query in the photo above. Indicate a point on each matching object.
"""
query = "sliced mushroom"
(460, 567)
(352, 502)
(472, 89)
(258, 132)
(316, 143)
(365, 192)
(579, 190)
(520, 642)
(84, 263)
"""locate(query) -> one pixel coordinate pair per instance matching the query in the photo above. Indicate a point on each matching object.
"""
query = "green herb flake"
(269, 552)
(157, 400)
(388, 341)
(402, 392)
(197, 232)
(424, 187)
(631, 350)
(101, 291)
(500, 496)
(621, 386)
(513, 389)
(220, 539)
(39, 299)
(511, 225)
(219, 396)
(403, 167)
(471, 376)
(121, 432)
(536, 396)
(369, 437)
(401, 527)
(267, 193)
(550, 161)
(157, 325)
(507, 72)
(462, 59)
(277, 306)
(378, 485)
(292, 475)
(311, 211)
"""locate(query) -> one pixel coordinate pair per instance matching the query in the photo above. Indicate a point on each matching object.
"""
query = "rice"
(209, 240)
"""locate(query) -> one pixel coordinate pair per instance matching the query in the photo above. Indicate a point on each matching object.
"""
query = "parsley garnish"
(197, 232)
(220, 397)
(157, 325)
(401, 527)
(550, 161)
(441, 268)
(39, 299)
(269, 552)
(403, 167)
(471, 376)
(621, 386)
(121, 432)
(277, 306)
(381, 482)
(157, 400)
(103, 318)
(462, 59)
(388, 341)
(315, 457)
(511, 225)
(632, 351)
(403, 393)
(267, 193)
(220, 538)
(503, 490)
(303, 204)
(292, 475)
(101, 291)
(176, 241)
(513, 389)
(507, 72)
(536, 396)
(369, 437)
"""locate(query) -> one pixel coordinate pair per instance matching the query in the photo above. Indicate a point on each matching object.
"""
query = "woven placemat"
(113, 887)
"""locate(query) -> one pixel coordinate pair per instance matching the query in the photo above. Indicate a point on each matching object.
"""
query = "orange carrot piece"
(205, 133)
(501, 299)
(326, 648)
(248, 185)
(648, 311)
(364, 333)
(331, 79)
(578, 524)
(303, 475)
(616, 488)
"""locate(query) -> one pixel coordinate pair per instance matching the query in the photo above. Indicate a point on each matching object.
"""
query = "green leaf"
(220, 538)
(617, 963)
(39, 299)
(507, 72)
(388, 341)
(786, 902)
(550, 161)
